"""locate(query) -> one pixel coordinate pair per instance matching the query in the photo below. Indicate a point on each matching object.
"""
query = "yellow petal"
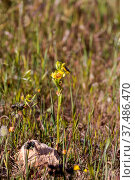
(52, 75)
(76, 167)
(85, 170)
(11, 129)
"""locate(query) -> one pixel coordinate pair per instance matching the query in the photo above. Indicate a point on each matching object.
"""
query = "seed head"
(3, 131)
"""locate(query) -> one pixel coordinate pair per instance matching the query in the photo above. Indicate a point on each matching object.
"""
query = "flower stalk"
(57, 76)
(58, 117)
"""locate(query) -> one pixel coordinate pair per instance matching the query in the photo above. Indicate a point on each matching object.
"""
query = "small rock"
(37, 154)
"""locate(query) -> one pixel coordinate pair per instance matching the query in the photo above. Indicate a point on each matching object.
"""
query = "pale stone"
(37, 154)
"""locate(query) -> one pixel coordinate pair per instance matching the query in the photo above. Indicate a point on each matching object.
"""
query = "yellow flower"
(61, 66)
(85, 170)
(76, 168)
(11, 129)
(64, 151)
(58, 74)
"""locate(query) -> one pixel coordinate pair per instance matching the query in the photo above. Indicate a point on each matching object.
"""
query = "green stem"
(58, 117)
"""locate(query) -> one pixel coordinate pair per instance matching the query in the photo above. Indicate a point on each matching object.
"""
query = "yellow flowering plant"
(60, 72)
(57, 76)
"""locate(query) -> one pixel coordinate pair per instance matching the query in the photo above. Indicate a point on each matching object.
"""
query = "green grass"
(85, 35)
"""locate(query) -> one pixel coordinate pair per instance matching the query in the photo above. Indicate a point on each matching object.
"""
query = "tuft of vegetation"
(84, 34)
